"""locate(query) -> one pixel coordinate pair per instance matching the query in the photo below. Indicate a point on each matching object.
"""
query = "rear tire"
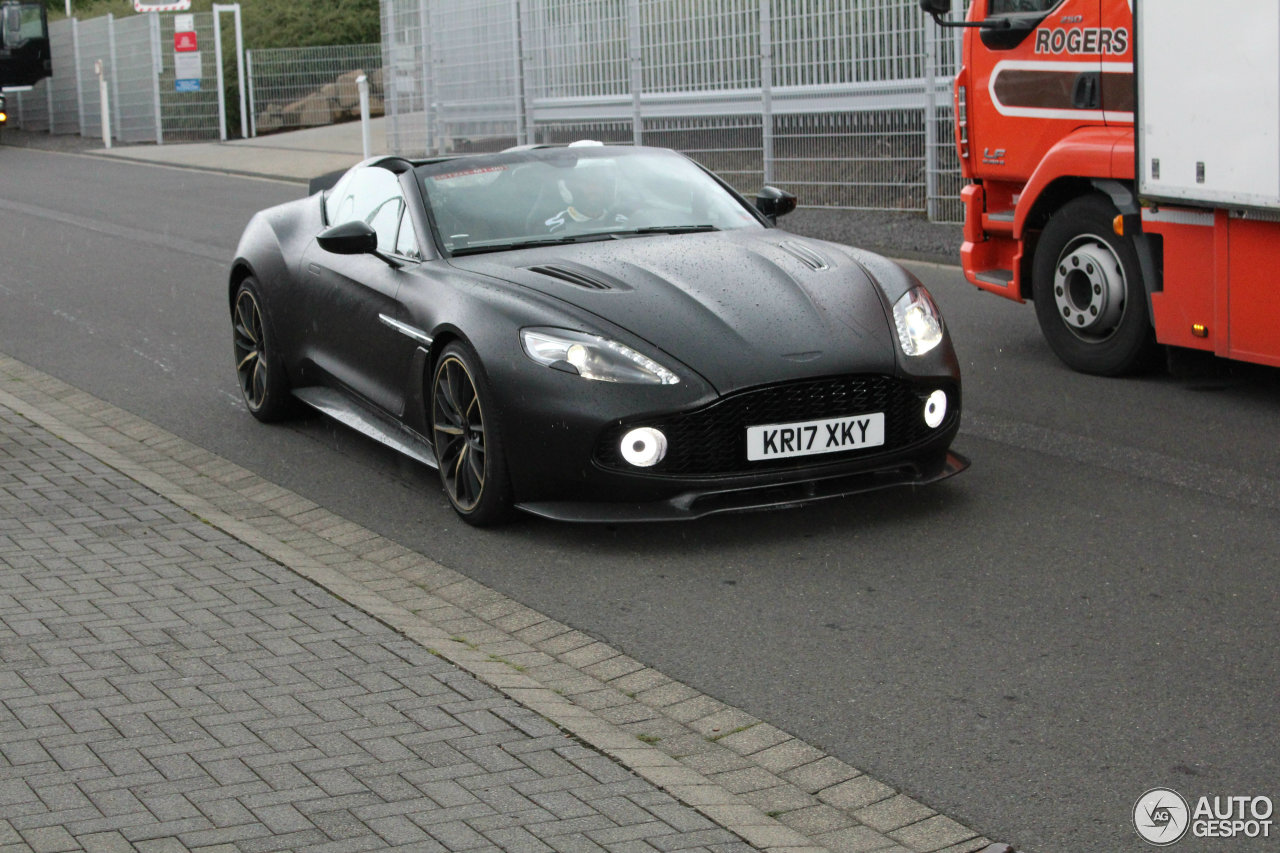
(259, 372)
(1089, 296)
(467, 439)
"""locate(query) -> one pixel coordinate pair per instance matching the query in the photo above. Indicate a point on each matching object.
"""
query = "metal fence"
(845, 102)
(137, 59)
(298, 87)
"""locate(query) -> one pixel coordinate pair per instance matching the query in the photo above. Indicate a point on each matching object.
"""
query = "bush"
(268, 23)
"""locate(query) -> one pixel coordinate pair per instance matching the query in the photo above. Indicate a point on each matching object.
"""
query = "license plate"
(807, 438)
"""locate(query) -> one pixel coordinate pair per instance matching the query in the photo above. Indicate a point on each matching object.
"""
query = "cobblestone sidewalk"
(165, 687)
(192, 657)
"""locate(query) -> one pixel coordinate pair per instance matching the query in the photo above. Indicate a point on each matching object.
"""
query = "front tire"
(259, 373)
(1089, 297)
(467, 440)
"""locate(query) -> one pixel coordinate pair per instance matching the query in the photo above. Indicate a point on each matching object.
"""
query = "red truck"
(1123, 169)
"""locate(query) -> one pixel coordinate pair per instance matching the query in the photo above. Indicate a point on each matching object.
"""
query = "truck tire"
(1088, 291)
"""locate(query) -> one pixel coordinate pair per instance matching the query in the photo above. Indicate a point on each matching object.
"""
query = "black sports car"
(593, 332)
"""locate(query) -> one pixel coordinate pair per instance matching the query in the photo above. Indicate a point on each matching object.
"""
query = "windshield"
(561, 195)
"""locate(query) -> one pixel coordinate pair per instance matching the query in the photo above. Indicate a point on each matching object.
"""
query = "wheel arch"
(1090, 160)
(440, 339)
(1122, 196)
(240, 270)
(260, 253)
(1073, 164)
(418, 406)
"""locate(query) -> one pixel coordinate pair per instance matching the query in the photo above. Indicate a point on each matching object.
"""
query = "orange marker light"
(1200, 330)
(1117, 225)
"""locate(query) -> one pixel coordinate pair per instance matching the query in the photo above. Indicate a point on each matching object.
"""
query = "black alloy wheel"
(262, 384)
(466, 440)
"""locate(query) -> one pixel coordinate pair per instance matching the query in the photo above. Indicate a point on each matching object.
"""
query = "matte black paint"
(726, 311)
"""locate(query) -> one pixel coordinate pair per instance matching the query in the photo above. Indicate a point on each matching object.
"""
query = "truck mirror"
(12, 26)
(935, 7)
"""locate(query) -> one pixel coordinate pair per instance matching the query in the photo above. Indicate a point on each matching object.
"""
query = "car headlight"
(918, 321)
(593, 357)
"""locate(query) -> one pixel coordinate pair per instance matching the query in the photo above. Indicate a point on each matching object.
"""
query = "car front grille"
(712, 441)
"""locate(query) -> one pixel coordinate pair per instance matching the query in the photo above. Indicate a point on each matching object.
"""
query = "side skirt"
(380, 428)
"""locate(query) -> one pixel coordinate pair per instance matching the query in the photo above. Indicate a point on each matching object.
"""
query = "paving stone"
(746, 780)
(893, 813)
(574, 843)
(817, 820)
(50, 839)
(782, 799)
(786, 756)
(857, 793)
(821, 774)
(854, 839)
(753, 740)
(935, 833)
(105, 842)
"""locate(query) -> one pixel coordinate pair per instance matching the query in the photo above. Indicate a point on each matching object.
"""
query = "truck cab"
(1045, 114)
(25, 54)
(1133, 197)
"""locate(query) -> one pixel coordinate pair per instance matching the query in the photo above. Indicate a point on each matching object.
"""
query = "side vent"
(571, 276)
(807, 256)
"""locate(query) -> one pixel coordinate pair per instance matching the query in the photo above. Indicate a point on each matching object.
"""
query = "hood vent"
(580, 279)
(807, 256)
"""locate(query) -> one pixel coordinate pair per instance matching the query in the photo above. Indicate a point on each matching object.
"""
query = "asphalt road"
(1087, 613)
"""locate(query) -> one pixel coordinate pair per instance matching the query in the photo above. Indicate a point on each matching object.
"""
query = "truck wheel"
(1088, 291)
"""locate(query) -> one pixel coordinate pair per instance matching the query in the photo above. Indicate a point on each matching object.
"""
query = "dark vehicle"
(593, 333)
(25, 56)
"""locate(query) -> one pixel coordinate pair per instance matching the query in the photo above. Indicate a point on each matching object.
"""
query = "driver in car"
(591, 196)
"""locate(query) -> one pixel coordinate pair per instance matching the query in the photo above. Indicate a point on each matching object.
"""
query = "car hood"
(740, 307)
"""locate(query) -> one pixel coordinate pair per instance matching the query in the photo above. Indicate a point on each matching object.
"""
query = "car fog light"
(644, 447)
(935, 409)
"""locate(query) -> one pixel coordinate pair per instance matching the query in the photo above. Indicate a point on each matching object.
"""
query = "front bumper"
(565, 463)
(697, 503)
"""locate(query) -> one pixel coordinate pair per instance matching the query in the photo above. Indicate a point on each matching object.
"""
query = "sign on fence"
(186, 55)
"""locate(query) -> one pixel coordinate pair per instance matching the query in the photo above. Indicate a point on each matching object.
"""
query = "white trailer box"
(1208, 101)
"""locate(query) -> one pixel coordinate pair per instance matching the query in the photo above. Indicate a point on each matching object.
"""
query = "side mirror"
(939, 9)
(773, 202)
(349, 238)
(12, 26)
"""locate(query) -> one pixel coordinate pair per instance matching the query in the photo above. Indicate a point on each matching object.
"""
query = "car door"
(350, 298)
